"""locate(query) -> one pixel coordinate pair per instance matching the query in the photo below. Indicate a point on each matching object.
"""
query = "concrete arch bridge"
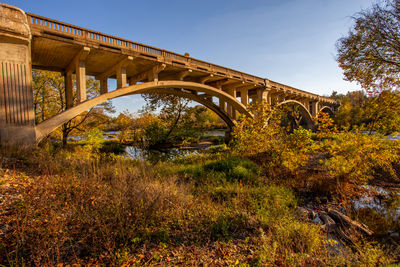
(30, 41)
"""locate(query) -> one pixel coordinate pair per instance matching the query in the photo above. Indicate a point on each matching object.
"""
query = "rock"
(393, 234)
(345, 220)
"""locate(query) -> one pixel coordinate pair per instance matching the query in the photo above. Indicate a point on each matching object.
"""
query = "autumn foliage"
(326, 161)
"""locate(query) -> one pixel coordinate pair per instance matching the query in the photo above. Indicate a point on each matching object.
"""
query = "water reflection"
(379, 199)
(220, 133)
(154, 155)
(379, 208)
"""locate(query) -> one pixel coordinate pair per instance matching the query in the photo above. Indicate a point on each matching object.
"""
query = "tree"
(171, 108)
(370, 54)
(352, 110)
(379, 113)
(125, 123)
(204, 118)
(49, 100)
(382, 112)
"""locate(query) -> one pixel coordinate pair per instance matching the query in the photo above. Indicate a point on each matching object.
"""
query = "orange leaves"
(369, 54)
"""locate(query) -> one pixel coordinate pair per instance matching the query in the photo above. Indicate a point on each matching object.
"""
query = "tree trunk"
(343, 219)
(65, 134)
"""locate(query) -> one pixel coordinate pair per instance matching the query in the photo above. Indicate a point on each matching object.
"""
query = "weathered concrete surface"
(16, 100)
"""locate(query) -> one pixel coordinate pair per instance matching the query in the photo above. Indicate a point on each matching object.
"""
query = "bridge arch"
(303, 110)
(327, 109)
(161, 87)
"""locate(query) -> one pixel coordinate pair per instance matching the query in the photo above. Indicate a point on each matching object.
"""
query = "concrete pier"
(16, 96)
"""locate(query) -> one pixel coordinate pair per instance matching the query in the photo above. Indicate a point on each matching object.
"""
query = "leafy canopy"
(370, 54)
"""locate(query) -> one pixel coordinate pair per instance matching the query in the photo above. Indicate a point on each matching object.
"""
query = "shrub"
(371, 254)
(234, 169)
(353, 158)
(271, 203)
(226, 224)
(155, 133)
(334, 163)
(93, 140)
(218, 148)
(298, 237)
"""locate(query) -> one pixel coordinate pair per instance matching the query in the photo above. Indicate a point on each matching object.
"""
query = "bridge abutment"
(17, 124)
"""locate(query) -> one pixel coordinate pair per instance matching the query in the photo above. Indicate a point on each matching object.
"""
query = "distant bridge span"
(30, 41)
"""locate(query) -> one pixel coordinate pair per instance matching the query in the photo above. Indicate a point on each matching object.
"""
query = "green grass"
(104, 209)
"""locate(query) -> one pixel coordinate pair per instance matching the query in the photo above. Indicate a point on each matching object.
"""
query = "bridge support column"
(222, 104)
(230, 109)
(263, 96)
(314, 108)
(244, 97)
(69, 100)
(78, 65)
(103, 85)
(121, 77)
(17, 124)
(81, 81)
(306, 103)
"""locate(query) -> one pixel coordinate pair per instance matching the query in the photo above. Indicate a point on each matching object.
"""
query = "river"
(162, 154)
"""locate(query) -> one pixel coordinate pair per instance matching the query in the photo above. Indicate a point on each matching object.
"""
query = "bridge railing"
(78, 33)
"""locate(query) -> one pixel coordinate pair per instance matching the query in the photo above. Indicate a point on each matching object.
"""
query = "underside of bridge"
(30, 41)
(180, 88)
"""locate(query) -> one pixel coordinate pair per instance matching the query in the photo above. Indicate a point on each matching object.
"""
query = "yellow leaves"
(354, 157)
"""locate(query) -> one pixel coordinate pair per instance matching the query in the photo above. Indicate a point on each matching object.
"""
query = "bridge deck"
(55, 44)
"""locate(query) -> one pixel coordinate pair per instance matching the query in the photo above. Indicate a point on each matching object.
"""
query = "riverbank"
(73, 206)
(141, 150)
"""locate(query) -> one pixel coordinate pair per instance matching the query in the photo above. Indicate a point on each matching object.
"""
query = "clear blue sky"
(289, 41)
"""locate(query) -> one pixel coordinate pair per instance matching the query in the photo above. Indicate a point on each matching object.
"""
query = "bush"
(93, 140)
(328, 162)
(155, 133)
(351, 159)
(220, 171)
(234, 169)
(298, 237)
(272, 203)
(218, 148)
(226, 224)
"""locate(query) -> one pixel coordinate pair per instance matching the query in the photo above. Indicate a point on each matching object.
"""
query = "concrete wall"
(16, 96)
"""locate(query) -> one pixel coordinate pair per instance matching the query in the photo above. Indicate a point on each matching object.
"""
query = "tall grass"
(74, 206)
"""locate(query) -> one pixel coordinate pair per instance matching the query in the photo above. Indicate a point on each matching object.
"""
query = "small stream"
(154, 155)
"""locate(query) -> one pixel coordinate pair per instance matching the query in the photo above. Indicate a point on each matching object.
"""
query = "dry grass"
(69, 207)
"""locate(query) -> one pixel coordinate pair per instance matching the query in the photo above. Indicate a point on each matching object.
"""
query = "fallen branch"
(345, 220)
